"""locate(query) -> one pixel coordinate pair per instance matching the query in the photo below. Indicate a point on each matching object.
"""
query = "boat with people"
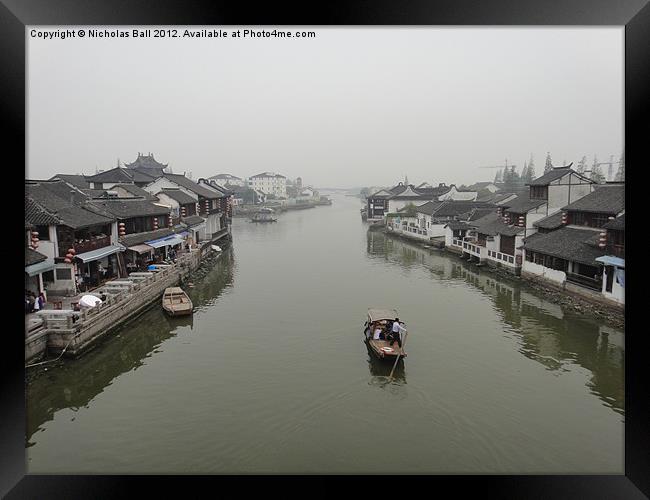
(176, 302)
(264, 215)
(384, 334)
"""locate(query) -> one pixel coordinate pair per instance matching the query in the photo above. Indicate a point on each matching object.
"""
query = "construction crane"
(500, 166)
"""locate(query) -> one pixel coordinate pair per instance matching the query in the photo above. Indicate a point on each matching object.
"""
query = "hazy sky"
(351, 107)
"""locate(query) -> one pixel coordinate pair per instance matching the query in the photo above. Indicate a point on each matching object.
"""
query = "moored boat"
(176, 302)
(381, 347)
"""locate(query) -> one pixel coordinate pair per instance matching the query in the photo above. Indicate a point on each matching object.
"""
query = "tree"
(549, 163)
(582, 165)
(596, 173)
(620, 173)
(530, 175)
(511, 179)
(524, 173)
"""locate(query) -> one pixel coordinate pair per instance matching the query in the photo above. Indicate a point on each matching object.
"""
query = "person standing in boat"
(394, 334)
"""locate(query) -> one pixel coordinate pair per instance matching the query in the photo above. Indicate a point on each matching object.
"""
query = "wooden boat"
(176, 302)
(263, 217)
(382, 348)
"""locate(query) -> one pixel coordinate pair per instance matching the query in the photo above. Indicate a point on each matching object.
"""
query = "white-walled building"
(270, 183)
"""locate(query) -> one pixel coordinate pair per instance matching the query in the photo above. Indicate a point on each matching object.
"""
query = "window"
(64, 274)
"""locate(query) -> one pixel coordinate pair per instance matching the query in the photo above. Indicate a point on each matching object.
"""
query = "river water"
(271, 375)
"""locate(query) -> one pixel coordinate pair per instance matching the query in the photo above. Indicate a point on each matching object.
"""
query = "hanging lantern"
(499, 212)
(155, 223)
(72, 251)
(121, 229)
(67, 260)
(565, 219)
(602, 240)
(170, 223)
(183, 211)
(522, 222)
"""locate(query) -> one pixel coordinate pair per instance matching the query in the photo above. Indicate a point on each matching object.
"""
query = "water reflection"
(75, 383)
(558, 339)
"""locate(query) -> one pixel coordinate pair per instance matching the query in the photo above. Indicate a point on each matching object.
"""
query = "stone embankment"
(73, 333)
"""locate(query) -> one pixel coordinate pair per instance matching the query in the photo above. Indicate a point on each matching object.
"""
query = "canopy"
(100, 253)
(379, 314)
(89, 301)
(39, 267)
(141, 248)
(169, 241)
(610, 260)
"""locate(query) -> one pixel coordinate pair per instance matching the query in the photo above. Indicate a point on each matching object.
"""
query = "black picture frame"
(633, 14)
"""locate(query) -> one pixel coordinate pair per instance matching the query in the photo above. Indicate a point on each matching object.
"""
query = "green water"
(271, 375)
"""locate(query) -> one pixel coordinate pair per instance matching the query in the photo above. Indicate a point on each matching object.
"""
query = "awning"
(610, 260)
(166, 242)
(141, 248)
(100, 253)
(39, 267)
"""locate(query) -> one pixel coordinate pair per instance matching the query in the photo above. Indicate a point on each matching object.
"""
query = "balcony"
(92, 244)
(504, 257)
(476, 250)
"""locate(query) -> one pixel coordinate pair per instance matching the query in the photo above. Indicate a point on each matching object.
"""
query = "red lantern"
(522, 223)
(67, 261)
(565, 219)
(602, 240)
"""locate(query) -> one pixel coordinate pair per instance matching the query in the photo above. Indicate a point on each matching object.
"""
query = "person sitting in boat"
(394, 334)
(378, 333)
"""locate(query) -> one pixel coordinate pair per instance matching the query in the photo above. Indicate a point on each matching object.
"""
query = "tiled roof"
(268, 174)
(33, 257)
(192, 220)
(135, 190)
(551, 222)
(76, 180)
(569, 243)
(37, 215)
(551, 175)
(491, 225)
(608, 199)
(478, 213)
(457, 224)
(617, 224)
(138, 238)
(429, 207)
(523, 204)
(116, 174)
(125, 208)
(68, 205)
(225, 176)
(189, 184)
(146, 161)
(178, 195)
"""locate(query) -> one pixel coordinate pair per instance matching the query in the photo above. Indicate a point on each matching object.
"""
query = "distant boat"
(176, 302)
(263, 217)
(381, 348)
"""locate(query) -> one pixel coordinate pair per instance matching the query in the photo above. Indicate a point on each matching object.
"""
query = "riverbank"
(614, 315)
(71, 333)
